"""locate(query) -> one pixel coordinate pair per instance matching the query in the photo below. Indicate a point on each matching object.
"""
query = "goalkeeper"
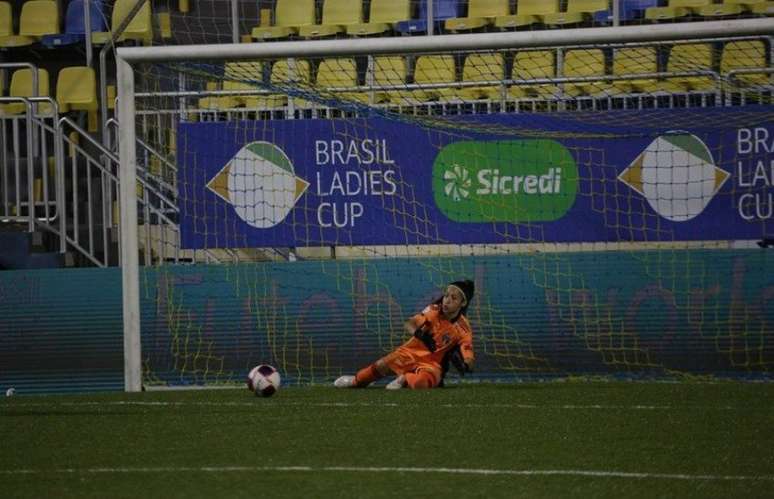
(441, 333)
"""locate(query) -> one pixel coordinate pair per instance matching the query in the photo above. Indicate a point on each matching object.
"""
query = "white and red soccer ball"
(263, 380)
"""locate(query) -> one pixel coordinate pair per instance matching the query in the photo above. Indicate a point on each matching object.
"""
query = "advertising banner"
(677, 175)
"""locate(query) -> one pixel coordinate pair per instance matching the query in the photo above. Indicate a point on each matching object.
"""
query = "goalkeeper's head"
(467, 288)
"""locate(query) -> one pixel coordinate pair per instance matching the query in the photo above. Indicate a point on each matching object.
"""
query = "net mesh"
(604, 199)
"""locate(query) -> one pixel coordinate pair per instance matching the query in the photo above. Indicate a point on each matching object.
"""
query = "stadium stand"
(528, 12)
(724, 8)
(384, 15)
(38, 18)
(481, 13)
(6, 20)
(282, 72)
(336, 16)
(289, 16)
(390, 71)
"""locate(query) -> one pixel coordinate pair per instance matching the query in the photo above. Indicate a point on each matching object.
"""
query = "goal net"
(610, 199)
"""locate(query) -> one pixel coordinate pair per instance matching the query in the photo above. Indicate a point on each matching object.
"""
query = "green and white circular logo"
(457, 182)
(677, 176)
(260, 183)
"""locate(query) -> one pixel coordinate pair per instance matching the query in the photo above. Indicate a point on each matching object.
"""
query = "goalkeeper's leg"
(422, 378)
(365, 376)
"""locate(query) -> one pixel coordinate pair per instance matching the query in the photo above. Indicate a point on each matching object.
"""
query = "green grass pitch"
(559, 439)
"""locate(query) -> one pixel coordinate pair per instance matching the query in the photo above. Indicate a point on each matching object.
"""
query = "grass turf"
(710, 440)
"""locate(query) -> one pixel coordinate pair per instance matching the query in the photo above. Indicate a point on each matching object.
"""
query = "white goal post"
(128, 57)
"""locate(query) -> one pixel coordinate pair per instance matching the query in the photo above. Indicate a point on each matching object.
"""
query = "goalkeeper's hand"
(458, 361)
(426, 337)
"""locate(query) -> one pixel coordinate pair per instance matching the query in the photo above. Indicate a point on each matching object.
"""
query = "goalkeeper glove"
(425, 337)
(456, 359)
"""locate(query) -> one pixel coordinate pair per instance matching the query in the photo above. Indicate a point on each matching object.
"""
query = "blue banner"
(680, 175)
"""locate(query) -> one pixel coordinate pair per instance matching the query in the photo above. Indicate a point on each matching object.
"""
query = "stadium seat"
(528, 12)
(442, 10)
(631, 61)
(76, 90)
(675, 9)
(38, 18)
(745, 54)
(75, 29)
(384, 15)
(534, 65)
(6, 20)
(434, 69)
(483, 67)
(340, 73)
(765, 8)
(285, 71)
(634, 10)
(234, 75)
(584, 63)
(690, 57)
(578, 11)
(21, 86)
(388, 71)
(481, 13)
(289, 16)
(336, 16)
(725, 8)
(140, 28)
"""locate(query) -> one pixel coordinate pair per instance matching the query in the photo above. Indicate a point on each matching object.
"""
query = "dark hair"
(468, 289)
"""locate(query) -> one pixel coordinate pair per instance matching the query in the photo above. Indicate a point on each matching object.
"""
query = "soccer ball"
(263, 380)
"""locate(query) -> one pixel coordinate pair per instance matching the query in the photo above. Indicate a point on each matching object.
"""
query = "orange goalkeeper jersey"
(413, 354)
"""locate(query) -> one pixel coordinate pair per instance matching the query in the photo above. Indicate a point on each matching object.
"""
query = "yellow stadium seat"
(483, 67)
(726, 8)
(631, 61)
(140, 28)
(289, 16)
(233, 73)
(584, 63)
(390, 70)
(685, 58)
(480, 13)
(527, 12)
(76, 90)
(6, 19)
(336, 16)
(384, 14)
(765, 8)
(675, 9)
(745, 54)
(340, 73)
(577, 11)
(434, 69)
(21, 86)
(285, 71)
(38, 18)
(534, 65)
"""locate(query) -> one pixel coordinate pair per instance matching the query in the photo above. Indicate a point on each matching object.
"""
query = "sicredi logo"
(505, 181)
(676, 175)
(260, 183)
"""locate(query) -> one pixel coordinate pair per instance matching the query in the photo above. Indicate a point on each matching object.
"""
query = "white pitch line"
(274, 405)
(387, 469)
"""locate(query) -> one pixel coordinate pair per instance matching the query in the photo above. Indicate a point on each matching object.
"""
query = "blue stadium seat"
(632, 10)
(442, 10)
(75, 29)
